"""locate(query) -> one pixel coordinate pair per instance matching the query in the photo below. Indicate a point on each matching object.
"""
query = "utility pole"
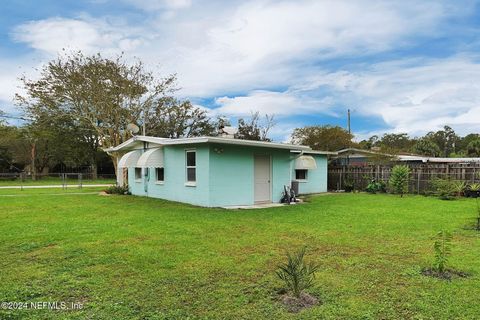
(348, 121)
(144, 122)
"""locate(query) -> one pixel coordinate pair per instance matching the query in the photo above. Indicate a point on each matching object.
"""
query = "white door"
(262, 179)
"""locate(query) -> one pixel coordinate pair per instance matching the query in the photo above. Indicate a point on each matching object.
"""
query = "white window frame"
(156, 176)
(190, 183)
(306, 175)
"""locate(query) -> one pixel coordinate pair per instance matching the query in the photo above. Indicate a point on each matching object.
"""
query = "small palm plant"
(443, 249)
(459, 188)
(297, 274)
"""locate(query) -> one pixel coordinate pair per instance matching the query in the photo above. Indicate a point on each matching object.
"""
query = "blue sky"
(401, 66)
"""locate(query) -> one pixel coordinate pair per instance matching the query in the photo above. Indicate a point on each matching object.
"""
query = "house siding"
(173, 187)
(316, 178)
(232, 174)
(225, 175)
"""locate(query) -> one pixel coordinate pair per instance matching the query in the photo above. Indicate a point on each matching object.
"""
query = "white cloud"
(243, 53)
(270, 102)
(149, 5)
(412, 96)
(84, 33)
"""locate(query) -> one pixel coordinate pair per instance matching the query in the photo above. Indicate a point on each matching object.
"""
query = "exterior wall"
(173, 188)
(316, 178)
(232, 178)
(225, 175)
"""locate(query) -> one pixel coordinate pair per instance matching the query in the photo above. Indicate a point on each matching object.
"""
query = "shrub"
(296, 273)
(117, 190)
(399, 179)
(459, 188)
(349, 186)
(443, 249)
(445, 189)
(374, 187)
(473, 190)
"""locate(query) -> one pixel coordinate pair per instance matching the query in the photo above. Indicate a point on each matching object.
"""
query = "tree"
(370, 143)
(426, 147)
(445, 139)
(176, 119)
(462, 145)
(399, 179)
(98, 94)
(326, 137)
(396, 141)
(254, 128)
(473, 148)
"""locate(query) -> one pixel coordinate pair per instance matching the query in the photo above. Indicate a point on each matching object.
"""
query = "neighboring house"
(356, 157)
(218, 172)
(359, 157)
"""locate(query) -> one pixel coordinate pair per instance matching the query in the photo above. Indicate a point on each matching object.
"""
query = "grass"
(128, 257)
(53, 181)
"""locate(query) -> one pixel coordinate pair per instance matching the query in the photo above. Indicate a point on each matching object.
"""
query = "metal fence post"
(22, 180)
(80, 180)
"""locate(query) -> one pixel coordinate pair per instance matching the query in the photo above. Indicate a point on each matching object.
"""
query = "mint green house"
(218, 172)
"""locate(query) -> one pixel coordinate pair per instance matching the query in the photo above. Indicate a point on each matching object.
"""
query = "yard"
(126, 257)
(46, 181)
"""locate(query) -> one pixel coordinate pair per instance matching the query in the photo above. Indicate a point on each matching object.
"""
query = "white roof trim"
(131, 143)
(129, 159)
(305, 162)
(314, 152)
(152, 158)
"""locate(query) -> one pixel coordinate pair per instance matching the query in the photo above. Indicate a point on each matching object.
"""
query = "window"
(160, 173)
(301, 174)
(191, 166)
(138, 173)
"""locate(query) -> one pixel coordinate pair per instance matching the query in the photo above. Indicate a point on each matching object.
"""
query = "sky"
(400, 66)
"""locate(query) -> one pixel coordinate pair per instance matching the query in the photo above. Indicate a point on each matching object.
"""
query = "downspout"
(146, 175)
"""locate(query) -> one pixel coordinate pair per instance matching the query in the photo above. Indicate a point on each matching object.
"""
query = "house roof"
(136, 142)
(402, 157)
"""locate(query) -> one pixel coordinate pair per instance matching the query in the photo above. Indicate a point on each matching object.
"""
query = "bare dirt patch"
(448, 274)
(296, 304)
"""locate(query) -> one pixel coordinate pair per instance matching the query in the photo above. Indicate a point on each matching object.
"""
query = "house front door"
(262, 178)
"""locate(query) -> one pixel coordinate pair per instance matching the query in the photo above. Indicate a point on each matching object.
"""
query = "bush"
(473, 190)
(117, 190)
(348, 186)
(399, 179)
(374, 187)
(296, 273)
(445, 189)
(459, 188)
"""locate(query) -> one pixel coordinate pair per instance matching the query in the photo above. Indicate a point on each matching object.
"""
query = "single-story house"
(218, 171)
(360, 157)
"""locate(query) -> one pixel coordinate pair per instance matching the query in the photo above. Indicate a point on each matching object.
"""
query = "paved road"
(55, 186)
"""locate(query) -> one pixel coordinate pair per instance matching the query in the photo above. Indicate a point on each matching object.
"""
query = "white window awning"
(305, 162)
(152, 158)
(129, 159)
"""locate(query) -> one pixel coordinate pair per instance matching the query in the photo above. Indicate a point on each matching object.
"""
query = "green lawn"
(128, 257)
(53, 181)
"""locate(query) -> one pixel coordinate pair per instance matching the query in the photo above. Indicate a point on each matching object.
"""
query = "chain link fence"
(63, 180)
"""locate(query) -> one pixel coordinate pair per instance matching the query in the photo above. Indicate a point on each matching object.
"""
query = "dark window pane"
(160, 174)
(191, 174)
(191, 159)
(138, 173)
(301, 174)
